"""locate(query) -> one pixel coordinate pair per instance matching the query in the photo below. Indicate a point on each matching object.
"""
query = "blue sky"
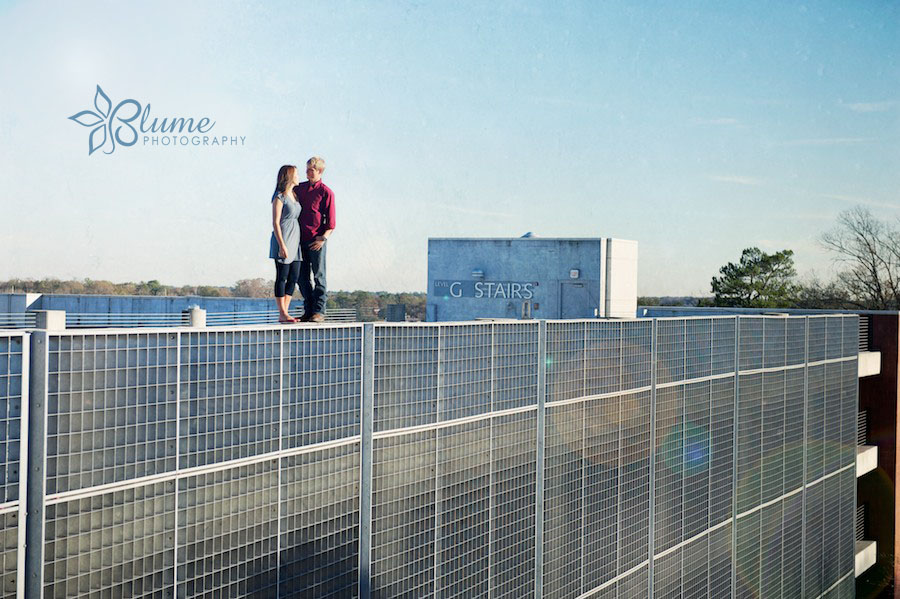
(695, 128)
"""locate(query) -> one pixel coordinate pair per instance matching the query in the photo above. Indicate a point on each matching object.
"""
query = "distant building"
(531, 277)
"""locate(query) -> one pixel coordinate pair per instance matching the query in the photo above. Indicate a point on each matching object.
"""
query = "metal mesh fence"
(14, 375)
(319, 530)
(111, 409)
(228, 532)
(322, 385)
(686, 457)
(229, 405)
(119, 544)
(13, 369)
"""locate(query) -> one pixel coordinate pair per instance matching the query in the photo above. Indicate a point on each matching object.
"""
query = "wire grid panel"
(794, 408)
(831, 533)
(697, 348)
(695, 563)
(229, 406)
(670, 350)
(668, 574)
(322, 385)
(747, 556)
(749, 441)
(815, 422)
(847, 558)
(463, 519)
(850, 334)
(669, 475)
(696, 458)
(11, 383)
(320, 523)
(513, 470)
(834, 337)
(228, 532)
(403, 515)
(637, 345)
(721, 561)
(563, 500)
(607, 592)
(111, 408)
(723, 339)
(406, 376)
(792, 541)
(795, 340)
(774, 342)
(812, 541)
(603, 427)
(771, 550)
(752, 342)
(515, 365)
(849, 411)
(773, 447)
(833, 416)
(846, 589)
(118, 544)
(9, 553)
(634, 586)
(816, 334)
(565, 360)
(465, 365)
(603, 357)
(634, 480)
(721, 462)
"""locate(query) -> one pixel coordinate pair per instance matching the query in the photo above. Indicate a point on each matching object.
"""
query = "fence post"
(539, 470)
(198, 317)
(23, 464)
(36, 461)
(651, 517)
(734, 452)
(367, 405)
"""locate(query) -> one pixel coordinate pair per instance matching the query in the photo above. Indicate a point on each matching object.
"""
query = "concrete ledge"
(866, 459)
(869, 363)
(865, 556)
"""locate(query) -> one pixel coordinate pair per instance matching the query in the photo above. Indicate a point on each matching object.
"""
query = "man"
(316, 224)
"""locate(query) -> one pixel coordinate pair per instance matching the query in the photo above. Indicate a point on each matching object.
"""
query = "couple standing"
(302, 220)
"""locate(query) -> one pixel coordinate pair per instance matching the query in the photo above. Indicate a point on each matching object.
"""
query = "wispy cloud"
(475, 211)
(566, 101)
(826, 141)
(737, 179)
(871, 106)
(720, 121)
(850, 199)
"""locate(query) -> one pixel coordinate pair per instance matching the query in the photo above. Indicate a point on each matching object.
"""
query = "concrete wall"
(128, 304)
(554, 278)
(14, 303)
(876, 490)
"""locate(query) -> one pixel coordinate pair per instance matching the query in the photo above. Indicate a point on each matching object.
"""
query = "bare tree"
(869, 250)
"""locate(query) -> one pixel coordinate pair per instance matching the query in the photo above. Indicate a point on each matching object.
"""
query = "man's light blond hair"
(317, 163)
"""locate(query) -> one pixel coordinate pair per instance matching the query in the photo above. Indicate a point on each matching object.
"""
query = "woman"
(284, 246)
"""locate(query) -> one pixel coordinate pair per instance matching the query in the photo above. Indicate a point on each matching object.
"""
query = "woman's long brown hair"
(285, 175)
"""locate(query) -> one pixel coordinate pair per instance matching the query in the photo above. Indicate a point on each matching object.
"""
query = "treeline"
(866, 250)
(371, 304)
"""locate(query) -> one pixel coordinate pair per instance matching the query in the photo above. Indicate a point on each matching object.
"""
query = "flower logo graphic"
(109, 127)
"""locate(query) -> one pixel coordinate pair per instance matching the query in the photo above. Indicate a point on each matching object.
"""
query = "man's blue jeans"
(313, 264)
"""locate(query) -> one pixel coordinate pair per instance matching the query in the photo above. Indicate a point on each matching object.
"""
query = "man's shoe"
(306, 316)
(317, 317)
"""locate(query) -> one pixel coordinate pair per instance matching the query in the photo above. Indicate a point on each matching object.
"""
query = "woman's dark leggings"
(286, 276)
